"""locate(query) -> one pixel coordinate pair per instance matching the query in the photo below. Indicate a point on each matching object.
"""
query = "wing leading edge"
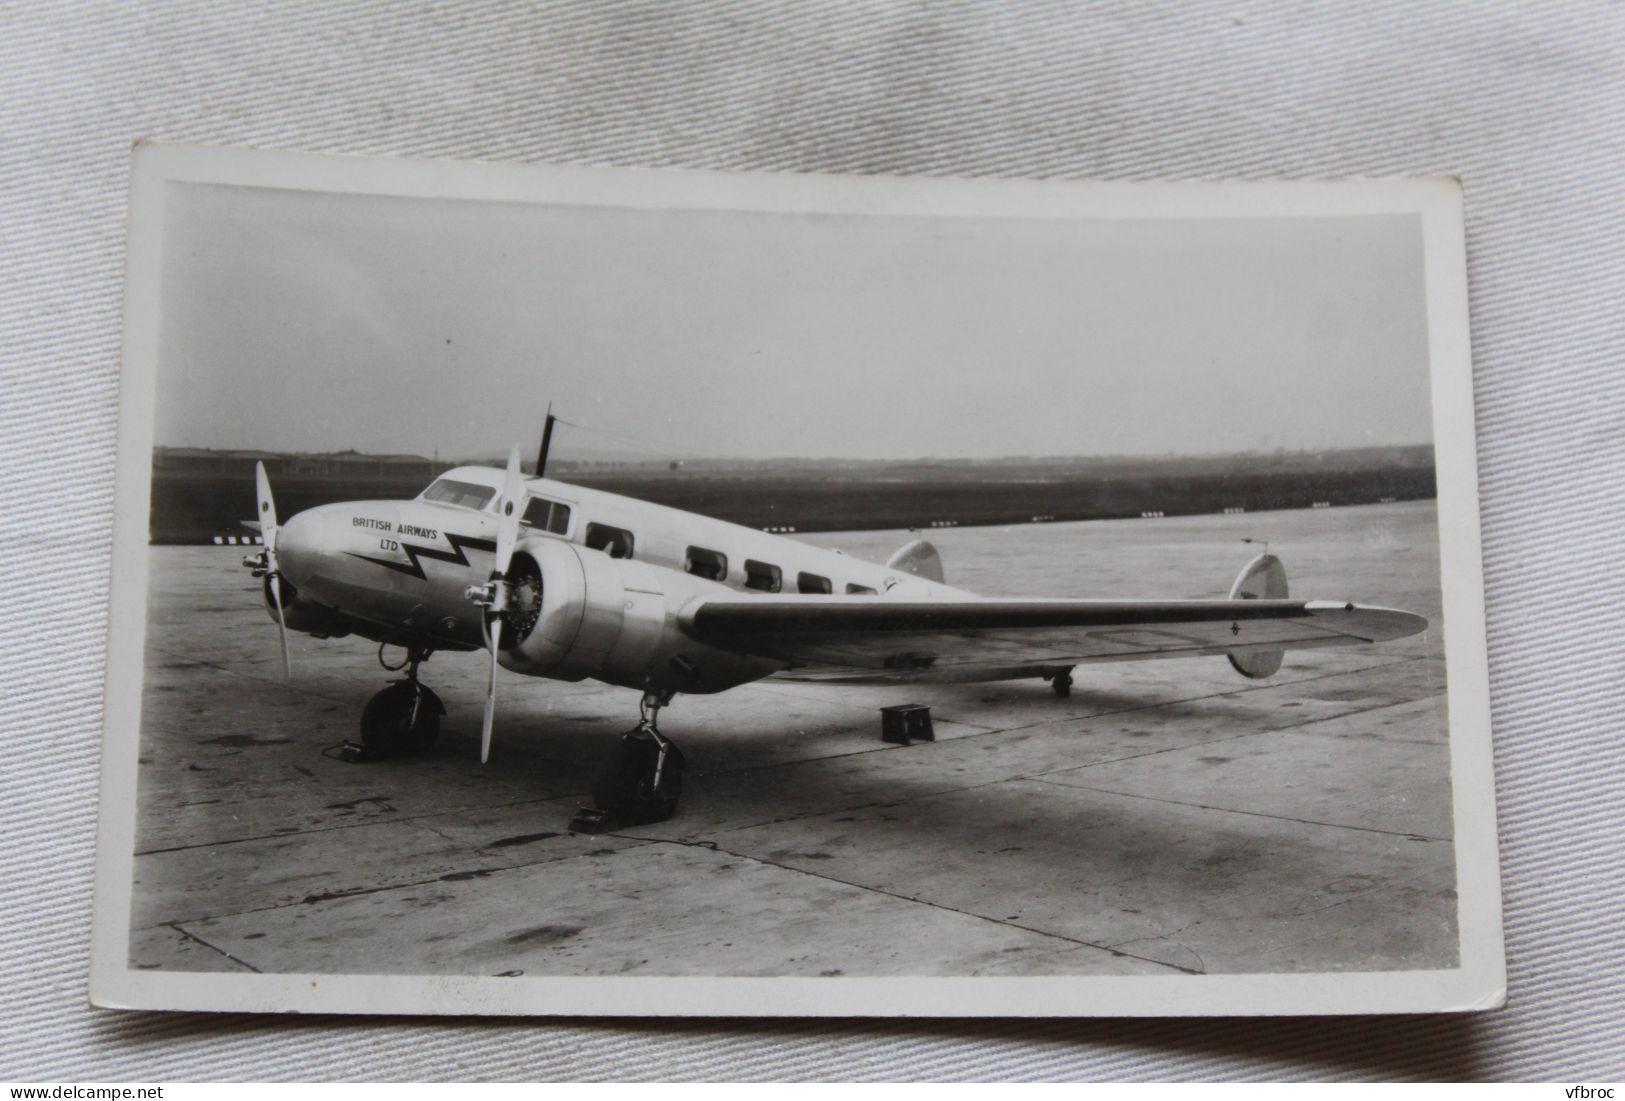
(968, 639)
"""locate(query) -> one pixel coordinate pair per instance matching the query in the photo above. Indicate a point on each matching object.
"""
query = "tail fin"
(1264, 578)
(918, 558)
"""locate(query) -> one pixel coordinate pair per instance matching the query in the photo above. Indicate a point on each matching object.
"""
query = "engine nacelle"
(577, 613)
(305, 616)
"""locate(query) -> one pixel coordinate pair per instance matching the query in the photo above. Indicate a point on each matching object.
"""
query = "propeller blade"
(508, 512)
(281, 626)
(507, 538)
(491, 692)
(266, 507)
(266, 511)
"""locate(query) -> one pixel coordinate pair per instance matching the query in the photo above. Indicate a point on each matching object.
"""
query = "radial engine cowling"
(304, 616)
(577, 613)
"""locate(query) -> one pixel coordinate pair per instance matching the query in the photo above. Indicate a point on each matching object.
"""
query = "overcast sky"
(310, 321)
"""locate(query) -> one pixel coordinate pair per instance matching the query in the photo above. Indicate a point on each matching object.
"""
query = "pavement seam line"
(1033, 776)
(1297, 726)
(188, 934)
(986, 731)
(336, 896)
(350, 825)
(1044, 779)
(905, 898)
(1289, 914)
(1039, 776)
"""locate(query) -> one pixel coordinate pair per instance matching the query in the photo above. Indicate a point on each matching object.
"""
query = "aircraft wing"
(875, 638)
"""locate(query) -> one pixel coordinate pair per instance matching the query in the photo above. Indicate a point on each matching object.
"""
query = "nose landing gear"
(404, 719)
(645, 777)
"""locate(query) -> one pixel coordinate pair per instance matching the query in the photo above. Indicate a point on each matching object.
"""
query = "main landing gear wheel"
(1062, 683)
(404, 719)
(645, 777)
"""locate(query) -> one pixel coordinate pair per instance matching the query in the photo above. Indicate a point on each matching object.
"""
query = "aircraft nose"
(298, 546)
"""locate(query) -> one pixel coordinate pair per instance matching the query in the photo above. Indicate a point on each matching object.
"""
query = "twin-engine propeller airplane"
(567, 582)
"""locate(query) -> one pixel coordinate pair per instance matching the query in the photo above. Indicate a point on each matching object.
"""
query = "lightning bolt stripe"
(415, 554)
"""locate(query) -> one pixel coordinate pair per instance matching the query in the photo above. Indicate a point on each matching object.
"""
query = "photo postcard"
(606, 592)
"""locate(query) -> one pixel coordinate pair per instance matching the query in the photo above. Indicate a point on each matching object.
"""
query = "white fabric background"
(1523, 101)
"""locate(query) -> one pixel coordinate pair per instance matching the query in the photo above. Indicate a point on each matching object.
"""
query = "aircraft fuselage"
(398, 570)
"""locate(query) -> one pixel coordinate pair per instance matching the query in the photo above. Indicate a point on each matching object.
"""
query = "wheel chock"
(905, 723)
(592, 820)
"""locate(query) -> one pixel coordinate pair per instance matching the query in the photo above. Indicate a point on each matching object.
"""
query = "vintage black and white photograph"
(595, 591)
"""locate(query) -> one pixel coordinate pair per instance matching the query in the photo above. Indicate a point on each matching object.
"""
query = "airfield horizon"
(202, 497)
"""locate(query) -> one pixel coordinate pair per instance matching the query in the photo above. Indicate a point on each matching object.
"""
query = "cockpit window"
(449, 491)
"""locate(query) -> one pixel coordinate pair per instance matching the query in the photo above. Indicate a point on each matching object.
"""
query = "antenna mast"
(547, 439)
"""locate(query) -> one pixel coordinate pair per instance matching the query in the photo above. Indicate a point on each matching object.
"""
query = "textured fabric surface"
(1522, 101)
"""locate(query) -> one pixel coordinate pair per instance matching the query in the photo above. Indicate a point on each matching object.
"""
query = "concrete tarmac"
(1170, 817)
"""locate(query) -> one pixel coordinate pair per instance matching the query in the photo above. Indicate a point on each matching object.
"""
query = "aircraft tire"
(1062, 683)
(387, 726)
(626, 788)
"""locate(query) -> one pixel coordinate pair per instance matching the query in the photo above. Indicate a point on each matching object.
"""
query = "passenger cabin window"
(615, 542)
(706, 563)
(762, 576)
(812, 583)
(449, 491)
(858, 590)
(548, 516)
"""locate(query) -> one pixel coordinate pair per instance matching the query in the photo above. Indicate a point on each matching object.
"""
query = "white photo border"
(1479, 980)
